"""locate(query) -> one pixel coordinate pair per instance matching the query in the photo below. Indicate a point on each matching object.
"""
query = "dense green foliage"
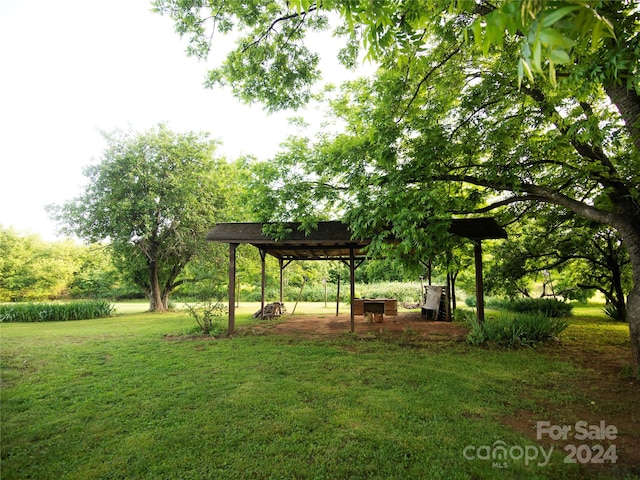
(120, 399)
(32, 269)
(88, 271)
(55, 312)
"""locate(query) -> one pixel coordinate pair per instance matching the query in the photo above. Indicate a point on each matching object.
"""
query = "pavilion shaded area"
(328, 325)
(333, 241)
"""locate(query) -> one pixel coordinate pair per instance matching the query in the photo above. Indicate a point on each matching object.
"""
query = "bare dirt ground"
(612, 391)
(308, 325)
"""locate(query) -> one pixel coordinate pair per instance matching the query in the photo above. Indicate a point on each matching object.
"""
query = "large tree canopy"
(477, 107)
(153, 196)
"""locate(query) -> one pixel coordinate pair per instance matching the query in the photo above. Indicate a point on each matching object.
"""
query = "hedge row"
(55, 312)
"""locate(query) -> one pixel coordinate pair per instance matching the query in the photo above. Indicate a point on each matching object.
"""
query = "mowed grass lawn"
(127, 397)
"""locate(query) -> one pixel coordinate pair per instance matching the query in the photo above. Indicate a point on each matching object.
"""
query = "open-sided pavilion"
(334, 241)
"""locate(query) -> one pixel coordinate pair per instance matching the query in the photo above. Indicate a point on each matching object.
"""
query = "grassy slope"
(114, 398)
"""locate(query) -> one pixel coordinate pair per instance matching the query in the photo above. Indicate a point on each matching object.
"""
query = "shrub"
(55, 312)
(516, 329)
(209, 316)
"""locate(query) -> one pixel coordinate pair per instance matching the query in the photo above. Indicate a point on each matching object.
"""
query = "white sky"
(71, 68)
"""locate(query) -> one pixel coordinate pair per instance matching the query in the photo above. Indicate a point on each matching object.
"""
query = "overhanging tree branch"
(501, 203)
(273, 24)
(424, 79)
(539, 193)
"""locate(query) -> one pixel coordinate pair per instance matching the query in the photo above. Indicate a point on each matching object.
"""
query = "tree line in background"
(32, 269)
(568, 261)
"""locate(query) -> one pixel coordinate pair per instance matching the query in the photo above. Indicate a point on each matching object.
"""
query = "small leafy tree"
(209, 316)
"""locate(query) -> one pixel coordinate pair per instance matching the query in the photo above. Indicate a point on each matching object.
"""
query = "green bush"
(515, 329)
(210, 317)
(55, 312)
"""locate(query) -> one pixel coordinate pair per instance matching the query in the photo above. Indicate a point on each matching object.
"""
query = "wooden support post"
(447, 309)
(352, 279)
(263, 256)
(447, 293)
(338, 294)
(477, 248)
(232, 288)
(281, 279)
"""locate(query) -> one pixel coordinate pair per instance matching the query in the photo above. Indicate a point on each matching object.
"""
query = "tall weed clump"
(509, 329)
(55, 312)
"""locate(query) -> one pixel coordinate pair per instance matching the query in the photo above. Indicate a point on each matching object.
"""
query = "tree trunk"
(165, 300)
(618, 293)
(633, 316)
(155, 296)
(628, 104)
(631, 237)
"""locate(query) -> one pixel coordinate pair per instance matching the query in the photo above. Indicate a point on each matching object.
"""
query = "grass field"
(132, 397)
